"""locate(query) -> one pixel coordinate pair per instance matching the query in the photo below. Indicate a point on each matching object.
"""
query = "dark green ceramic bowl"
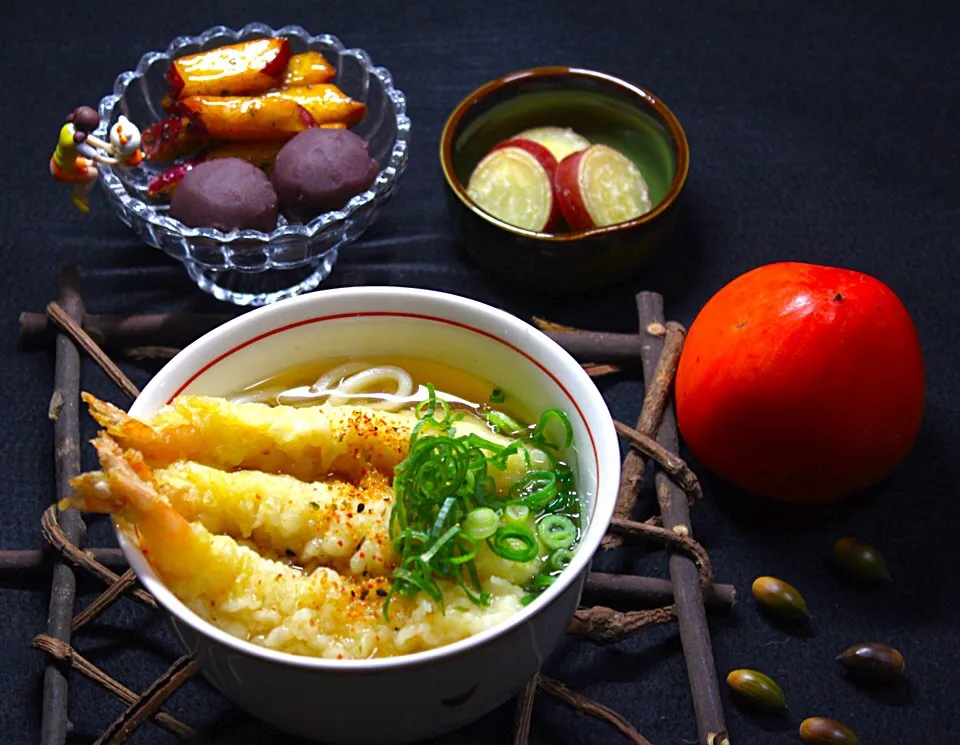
(603, 109)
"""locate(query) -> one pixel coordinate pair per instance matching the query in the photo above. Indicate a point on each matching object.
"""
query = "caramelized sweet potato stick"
(308, 68)
(325, 102)
(172, 138)
(248, 117)
(239, 69)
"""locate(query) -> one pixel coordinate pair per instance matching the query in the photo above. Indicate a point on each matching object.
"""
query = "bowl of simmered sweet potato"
(563, 179)
(265, 152)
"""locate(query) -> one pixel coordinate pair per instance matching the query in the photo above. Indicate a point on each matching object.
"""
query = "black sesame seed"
(360, 508)
(381, 592)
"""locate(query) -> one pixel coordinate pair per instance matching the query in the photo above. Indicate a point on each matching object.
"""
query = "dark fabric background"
(819, 131)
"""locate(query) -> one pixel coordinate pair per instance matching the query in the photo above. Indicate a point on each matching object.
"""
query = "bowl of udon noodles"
(370, 499)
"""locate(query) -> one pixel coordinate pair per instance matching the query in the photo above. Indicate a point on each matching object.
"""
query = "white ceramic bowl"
(401, 699)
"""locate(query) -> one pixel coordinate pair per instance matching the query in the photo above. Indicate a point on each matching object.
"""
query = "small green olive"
(822, 731)
(860, 561)
(870, 663)
(780, 599)
(757, 689)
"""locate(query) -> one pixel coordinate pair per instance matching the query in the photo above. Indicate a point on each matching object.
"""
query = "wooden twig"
(597, 371)
(151, 700)
(78, 662)
(678, 540)
(126, 580)
(650, 591)
(29, 560)
(65, 412)
(72, 328)
(654, 403)
(521, 724)
(58, 539)
(587, 706)
(691, 614)
(604, 626)
(152, 352)
(670, 463)
(592, 346)
(117, 332)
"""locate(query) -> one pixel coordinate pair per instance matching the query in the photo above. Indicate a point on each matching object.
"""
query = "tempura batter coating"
(268, 602)
(336, 524)
(308, 443)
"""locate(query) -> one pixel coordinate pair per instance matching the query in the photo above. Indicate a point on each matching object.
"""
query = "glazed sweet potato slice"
(308, 68)
(240, 69)
(325, 102)
(247, 117)
(275, 115)
(172, 138)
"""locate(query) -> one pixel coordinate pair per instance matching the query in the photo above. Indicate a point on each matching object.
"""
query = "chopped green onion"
(427, 555)
(538, 432)
(557, 531)
(514, 543)
(544, 580)
(446, 502)
(503, 423)
(497, 397)
(559, 559)
(516, 514)
(536, 489)
(480, 523)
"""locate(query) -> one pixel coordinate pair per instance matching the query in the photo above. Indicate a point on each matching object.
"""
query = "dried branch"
(65, 412)
(670, 463)
(654, 404)
(78, 662)
(72, 328)
(588, 707)
(651, 591)
(151, 700)
(676, 539)
(58, 539)
(521, 724)
(113, 593)
(117, 332)
(28, 560)
(605, 626)
(686, 575)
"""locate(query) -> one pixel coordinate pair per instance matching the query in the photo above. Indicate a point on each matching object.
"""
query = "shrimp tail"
(119, 424)
(92, 493)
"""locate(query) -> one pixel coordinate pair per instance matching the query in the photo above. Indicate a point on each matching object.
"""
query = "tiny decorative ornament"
(78, 151)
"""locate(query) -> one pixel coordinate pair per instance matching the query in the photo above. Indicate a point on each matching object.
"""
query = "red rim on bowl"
(668, 118)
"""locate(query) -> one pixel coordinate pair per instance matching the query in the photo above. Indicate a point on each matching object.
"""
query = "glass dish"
(249, 267)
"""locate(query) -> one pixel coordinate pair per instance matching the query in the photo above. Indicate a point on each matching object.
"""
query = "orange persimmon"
(802, 383)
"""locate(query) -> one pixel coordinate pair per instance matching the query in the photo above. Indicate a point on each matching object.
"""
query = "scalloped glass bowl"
(249, 267)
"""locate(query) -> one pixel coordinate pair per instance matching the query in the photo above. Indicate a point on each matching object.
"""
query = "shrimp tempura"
(268, 602)
(333, 523)
(308, 443)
